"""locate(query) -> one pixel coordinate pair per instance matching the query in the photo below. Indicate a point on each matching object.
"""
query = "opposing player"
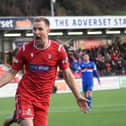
(41, 58)
(88, 70)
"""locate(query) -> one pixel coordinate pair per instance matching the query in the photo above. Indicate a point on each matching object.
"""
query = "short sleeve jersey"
(41, 69)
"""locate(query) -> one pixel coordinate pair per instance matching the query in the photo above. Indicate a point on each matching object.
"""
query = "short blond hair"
(39, 19)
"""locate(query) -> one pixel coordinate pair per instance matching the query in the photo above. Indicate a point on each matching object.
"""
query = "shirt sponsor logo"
(39, 68)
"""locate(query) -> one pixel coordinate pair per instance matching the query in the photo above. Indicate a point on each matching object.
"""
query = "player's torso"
(87, 69)
(41, 68)
(41, 61)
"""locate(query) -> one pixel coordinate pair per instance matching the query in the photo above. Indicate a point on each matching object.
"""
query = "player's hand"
(82, 102)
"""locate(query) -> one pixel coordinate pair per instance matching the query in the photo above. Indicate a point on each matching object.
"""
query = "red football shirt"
(41, 68)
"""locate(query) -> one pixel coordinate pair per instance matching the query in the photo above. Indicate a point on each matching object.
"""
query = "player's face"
(40, 31)
(86, 58)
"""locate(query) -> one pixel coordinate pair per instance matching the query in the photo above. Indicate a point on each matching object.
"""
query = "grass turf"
(109, 109)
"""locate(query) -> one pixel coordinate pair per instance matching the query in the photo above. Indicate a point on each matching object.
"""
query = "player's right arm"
(16, 66)
(7, 77)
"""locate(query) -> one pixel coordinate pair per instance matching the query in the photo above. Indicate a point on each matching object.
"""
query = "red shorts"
(27, 108)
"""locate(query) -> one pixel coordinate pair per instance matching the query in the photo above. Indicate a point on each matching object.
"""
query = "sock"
(89, 103)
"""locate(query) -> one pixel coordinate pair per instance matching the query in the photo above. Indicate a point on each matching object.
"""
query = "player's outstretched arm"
(82, 102)
(7, 77)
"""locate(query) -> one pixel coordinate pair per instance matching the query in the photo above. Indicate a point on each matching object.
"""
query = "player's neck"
(42, 45)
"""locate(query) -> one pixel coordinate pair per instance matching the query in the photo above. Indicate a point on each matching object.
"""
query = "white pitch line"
(105, 108)
(98, 108)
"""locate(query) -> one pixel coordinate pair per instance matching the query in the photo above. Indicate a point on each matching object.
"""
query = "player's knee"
(26, 122)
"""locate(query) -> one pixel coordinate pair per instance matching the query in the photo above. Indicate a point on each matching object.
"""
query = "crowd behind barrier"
(110, 59)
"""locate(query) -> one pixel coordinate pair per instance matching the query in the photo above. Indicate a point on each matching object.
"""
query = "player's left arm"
(68, 77)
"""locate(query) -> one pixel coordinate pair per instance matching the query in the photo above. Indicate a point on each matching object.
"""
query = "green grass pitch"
(109, 109)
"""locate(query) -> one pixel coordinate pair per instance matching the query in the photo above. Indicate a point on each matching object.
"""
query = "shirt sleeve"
(18, 60)
(63, 58)
(96, 72)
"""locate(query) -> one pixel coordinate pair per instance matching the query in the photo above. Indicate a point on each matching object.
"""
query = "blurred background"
(99, 31)
(62, 7)
(96, 27)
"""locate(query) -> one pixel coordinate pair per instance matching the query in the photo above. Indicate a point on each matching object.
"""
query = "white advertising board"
(107, 83)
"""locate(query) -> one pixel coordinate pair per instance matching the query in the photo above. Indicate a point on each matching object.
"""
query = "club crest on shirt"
(32, 54)
(49, 56)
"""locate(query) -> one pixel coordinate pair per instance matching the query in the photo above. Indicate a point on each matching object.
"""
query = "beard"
(38, 41)
(37, 38)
